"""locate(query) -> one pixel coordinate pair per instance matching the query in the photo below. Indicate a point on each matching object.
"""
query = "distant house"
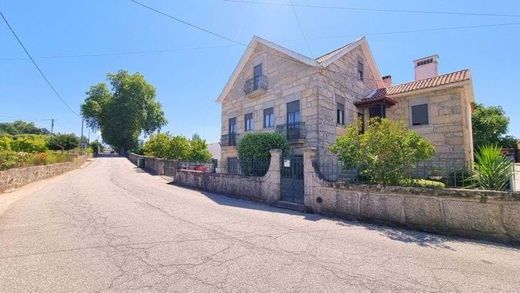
(311, 100)
(215, 150)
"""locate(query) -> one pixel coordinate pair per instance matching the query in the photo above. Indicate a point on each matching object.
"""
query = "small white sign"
(287, 163)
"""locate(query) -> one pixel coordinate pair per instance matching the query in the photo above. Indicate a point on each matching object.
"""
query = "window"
(268, 117)
(340, 114)
(293, 112)
(377, 111)
(248, 119)
(420, 114)
(232, 125)
(257, 75)
(360, 71)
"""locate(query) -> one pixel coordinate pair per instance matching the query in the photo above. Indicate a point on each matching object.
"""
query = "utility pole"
(52, 126)
(81, 138)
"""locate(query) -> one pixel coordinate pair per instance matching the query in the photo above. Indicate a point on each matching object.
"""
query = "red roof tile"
(385, 94)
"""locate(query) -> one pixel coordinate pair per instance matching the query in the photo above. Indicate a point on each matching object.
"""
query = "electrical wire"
(36, 65)
(407, 11)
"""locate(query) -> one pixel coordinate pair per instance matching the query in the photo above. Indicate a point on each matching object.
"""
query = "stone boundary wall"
(16, 177)
(469, 213)
(155, 166)
(260, 189)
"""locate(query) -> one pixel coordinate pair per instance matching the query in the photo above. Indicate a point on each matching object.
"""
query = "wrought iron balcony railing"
(293, 131)
(256, 84)
(230, 139)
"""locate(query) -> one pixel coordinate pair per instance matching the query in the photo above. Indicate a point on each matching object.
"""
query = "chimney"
(426, 67)
(387, 80)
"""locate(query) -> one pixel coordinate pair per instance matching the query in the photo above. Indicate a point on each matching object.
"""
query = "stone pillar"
(272, 184)
(309, 155)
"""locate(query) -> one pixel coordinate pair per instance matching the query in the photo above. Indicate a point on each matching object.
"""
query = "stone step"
(290, 206)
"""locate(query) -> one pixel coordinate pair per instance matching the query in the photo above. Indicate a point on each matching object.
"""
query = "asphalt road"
(110, 227)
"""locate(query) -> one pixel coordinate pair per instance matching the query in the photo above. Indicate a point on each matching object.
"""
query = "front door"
(292, 188)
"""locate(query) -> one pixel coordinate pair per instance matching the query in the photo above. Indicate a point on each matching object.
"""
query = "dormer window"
(360, 71)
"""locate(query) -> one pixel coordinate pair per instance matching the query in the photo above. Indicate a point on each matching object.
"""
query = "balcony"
(230, 139)
(295, 132)
(256, 86)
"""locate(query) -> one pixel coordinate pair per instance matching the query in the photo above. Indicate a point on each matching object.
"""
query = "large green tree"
(490, 126)
(123, 112)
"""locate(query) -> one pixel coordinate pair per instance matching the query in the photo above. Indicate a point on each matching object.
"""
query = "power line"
(187, 23)
(459, 13)
(36, 65)
(300, 26)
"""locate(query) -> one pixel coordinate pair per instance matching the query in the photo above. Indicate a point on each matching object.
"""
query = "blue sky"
(77, 42)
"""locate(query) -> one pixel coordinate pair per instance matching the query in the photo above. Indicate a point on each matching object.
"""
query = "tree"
(63, 142)
(21, 127)
(383, 152)
(489, 126)
(199, 150)
(166, 146)
(96, 147)
(123, 112)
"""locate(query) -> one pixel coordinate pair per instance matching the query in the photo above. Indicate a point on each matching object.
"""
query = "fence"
(233, 166)
(434, 174)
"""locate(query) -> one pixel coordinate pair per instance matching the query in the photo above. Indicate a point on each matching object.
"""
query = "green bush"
(96, 147)
(492, 170)
(10, 159)
(383, 151)
(63, 142)
(29, 143)
(5, 143)
(258, 145)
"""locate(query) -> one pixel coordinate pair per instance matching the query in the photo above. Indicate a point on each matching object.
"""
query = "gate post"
(271, 185)
(309, 155)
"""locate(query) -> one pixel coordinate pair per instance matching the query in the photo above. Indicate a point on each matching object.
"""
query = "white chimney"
(426, 67)
(387, 81)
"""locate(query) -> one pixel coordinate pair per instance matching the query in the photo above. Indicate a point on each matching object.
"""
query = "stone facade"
(320, 84)
(449, 128)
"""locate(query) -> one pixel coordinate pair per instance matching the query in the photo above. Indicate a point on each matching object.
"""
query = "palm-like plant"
(492, 170)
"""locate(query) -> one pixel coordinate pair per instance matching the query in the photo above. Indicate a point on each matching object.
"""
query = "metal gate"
(292, 188)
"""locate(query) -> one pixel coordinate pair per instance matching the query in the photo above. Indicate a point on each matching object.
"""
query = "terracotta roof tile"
(385, 94)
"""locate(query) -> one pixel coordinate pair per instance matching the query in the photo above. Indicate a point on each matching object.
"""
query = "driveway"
(110, 227)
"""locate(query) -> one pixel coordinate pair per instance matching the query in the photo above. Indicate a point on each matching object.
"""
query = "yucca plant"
(492, 169)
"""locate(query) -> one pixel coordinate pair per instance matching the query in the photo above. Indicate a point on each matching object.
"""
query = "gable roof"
(322, 61)
(249, 51)
(383, 94)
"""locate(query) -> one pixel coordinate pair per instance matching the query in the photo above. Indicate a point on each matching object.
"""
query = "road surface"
(110, 227)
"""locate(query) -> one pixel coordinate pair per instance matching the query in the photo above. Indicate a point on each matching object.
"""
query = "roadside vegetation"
(177, 147)
(37, 147)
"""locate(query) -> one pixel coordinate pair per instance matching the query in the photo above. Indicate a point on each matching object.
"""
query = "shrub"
(492, 169)
(10, 159)
(5, 143)
(29, 143)
(63, 142)
(257, 145)
(383, 152)
(96, 147)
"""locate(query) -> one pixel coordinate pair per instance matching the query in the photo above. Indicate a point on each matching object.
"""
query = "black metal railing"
(435, 174)
(293, 131)
(255, 83)
(230, 139)
(231, 166)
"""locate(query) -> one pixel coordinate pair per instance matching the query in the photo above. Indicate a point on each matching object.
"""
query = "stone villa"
(312, 100)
